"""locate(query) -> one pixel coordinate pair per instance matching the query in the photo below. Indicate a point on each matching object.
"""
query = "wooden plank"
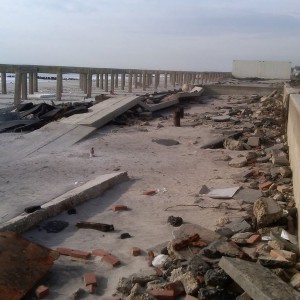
(257, 281)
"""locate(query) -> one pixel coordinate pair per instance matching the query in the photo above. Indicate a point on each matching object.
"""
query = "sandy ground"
(176, 172)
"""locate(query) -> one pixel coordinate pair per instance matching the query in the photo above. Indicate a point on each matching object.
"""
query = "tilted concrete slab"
(103, 112)
(257, 281)
(88, 191)
(162, 105)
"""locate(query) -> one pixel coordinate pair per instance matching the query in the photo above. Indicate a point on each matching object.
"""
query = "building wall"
(261, 69)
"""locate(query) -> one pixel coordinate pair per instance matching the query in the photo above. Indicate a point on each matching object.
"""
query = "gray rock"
(216, 277)
(285, 171)
(220, 248)
(253, 141)
(270, 262)
(267, 211)
(198, 266)
(124, 286)
(138, 293)
(238, 162)
(187, 278)
(240, 238)
(221, 118)
(247, 195)
(233, 144)
(166, 142)
(239, 226)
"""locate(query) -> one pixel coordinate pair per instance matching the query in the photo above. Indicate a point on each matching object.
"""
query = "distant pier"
(26, 79)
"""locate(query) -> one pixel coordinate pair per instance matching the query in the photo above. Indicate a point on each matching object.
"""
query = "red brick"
(135, 251)
(41, 291)
(189, 297)
(177, 287)
(149, 192)
(91, 288)
(111, 259)
(162, 294)
(89, 278)
(265, 185)
(253, 239)
(150, 256)
(100, 252)
(74, 252)
(119, 207)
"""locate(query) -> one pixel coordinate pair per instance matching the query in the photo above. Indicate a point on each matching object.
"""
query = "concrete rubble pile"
(259, 247)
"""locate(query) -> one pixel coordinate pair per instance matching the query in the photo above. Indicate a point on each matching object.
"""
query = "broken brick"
(253, 239)
(73, 252)
(177, 287)
(265, 185)
(41, 291)
(89, 278)
(149, 193)
(119, 207)
(111, 259)
(91, 288)
(162, 294)
(150, 256)
(135, 251)
(100, 252)
(283, 254)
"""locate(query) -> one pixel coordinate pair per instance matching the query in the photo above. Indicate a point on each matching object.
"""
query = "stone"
(187, 278)
(240, 238)
(265, 185)
(175, 221)
(138, 293)
(247, 195)
(222, 247)
(258, 282)
(166, 142)
(270, 262)
(198, 266)
(267, 211)
(78, 294)
(283, 188)
(55, 226)
(239, 225)
(283, 254)
(223, 118)
(251, 252)
(277, 245)
(124, 286)
(216, 277)
(253, 141)
(295, 281)
(243, 175)
(238, 162)
(213, 293)
(278, 197)
(285, 171)
(232, 144)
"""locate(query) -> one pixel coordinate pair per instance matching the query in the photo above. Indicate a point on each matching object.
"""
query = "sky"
(189, 35)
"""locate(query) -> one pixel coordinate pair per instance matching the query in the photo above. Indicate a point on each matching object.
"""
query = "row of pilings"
(108, 80)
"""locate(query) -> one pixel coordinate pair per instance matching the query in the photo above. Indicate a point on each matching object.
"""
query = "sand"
(176, 173)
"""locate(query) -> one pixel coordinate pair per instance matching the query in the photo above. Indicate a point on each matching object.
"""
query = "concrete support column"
(123, 81)
(144, 80)
(101, 81)
(97, 80)
(18, 85)
(59, 86)
(24, 86)
(31, 83)
(35, 82)
(117, 80)
(198, 78)
(106, 83)
(166, 80)
(84, 83)
(156, 80)
(148, 79)
(80, 81)
(135, 82)
(89, 84)
(112, 82)
(174, 79)
(130, 82)
(3, 83)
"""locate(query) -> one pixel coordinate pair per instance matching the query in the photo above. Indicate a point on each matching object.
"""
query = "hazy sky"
(200, 35)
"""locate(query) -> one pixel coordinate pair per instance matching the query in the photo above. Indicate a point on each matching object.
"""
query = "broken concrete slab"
(233, 144)
(257, 281)
(87, 191)
(266, 211)
(218, 142)
(253, 141)
(226, 193)
(23, 263)
(247, 195)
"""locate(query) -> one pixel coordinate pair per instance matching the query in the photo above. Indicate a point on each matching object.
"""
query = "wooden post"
(176, 118)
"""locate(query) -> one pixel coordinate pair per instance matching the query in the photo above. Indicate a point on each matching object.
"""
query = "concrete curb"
(88, 191)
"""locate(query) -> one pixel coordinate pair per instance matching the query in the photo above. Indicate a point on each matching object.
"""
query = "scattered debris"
(175, 221)
(55, 226)
(94, 225)
(226, 193)
(166, 142)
